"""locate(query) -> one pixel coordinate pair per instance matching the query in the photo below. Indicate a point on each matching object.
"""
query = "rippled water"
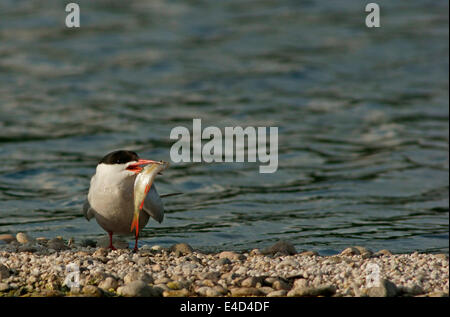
(362, 116)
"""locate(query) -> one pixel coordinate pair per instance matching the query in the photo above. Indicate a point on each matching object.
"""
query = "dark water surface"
(362, 116)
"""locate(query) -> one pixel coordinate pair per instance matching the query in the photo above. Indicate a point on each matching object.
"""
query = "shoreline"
(41, 267)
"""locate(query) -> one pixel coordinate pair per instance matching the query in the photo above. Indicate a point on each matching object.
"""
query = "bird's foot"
(112, 247)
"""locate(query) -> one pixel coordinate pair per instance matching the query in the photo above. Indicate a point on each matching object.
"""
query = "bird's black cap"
(119, 157)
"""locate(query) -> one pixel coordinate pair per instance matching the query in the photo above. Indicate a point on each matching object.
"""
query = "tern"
(111, 195)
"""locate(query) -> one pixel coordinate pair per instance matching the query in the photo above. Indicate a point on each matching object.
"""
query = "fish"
(142, 185)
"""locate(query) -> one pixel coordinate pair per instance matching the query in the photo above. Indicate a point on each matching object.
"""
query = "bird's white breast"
(111, 196)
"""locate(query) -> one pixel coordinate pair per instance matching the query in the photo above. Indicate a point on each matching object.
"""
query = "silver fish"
(142, 185)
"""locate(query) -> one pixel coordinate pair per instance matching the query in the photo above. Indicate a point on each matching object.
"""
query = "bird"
(110, 199)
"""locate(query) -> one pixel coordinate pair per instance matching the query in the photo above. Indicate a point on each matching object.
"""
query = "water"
(362, 116)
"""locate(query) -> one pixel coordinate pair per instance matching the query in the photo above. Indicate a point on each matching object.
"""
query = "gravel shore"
(58, 267)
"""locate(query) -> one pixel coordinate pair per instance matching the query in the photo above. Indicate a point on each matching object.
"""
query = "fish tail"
(135, 224)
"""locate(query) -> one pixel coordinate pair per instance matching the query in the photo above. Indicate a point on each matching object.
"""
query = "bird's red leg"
(110, 241)
(135, 244)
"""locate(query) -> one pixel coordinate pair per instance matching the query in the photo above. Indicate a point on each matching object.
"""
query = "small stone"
(101, 252)
(4, 272)
(255, 252)
(91, 290)
(176, 293)
(328, 290)
(42, 240)
(282, 247)
(156, 268)
(137, 289)
(143, 261)
(309, 253)
(8, 238)
(437, 294)
(181, 248)
(223, 261)
(413, 290)
(363, 250)
(108, 283)
(27, 247)
(138, 276)
(23, 238)
(441, 256)
(57, 244)
(219, 290)
(350, 251)
(174, 285)
(280, 293)
(4, 287)
(385, 289)
(231, 256)
(300, 283)
(52, 293)
(118, 242)
(383, 252)
(280, 285)
(88, 243)
(246, 291)
(160, 288)
(207, 291)
(249, 282)
(241, 270)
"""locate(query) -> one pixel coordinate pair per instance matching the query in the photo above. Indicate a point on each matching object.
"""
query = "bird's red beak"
(136, 167)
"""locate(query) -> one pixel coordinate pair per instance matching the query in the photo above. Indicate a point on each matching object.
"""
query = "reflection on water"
(362, 117)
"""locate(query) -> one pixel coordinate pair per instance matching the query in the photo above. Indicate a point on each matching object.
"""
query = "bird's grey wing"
(153, 205)
(88, 211)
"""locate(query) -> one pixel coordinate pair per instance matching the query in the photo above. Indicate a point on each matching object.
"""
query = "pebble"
(108, 283)
(280, 285)
(383, 252)
(27, 247)
(23, 238)
(282, 247)
(4, 287)
(309, 253)
(4, 272)
(92, 291)
(246, 291)
(327, 290)
(249, 282)
(385, 289)
(8, 238)
(350, 251)
(137, 289)
(223, 261)
(57, 244)
(228, 273)
(233, 256)
(88, 243)
(210, 291)
(42, 240)
(300, 283)
(280, 293)
(176, 293)
(181, 249)
(138, 276)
